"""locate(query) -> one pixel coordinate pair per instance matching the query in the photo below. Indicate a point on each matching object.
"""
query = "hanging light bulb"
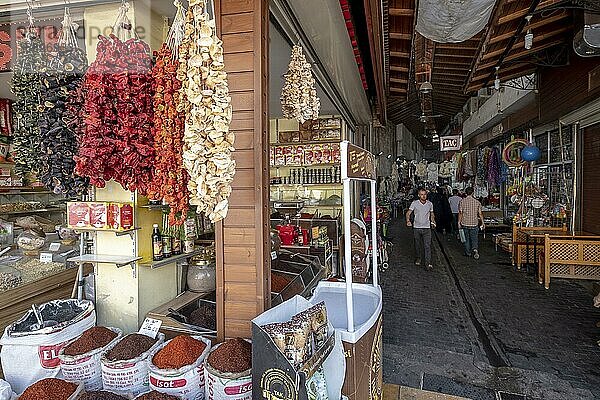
(528, 35)
(497, 80)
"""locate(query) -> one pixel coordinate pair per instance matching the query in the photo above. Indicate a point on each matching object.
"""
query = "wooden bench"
(521, 254)
(573, 257)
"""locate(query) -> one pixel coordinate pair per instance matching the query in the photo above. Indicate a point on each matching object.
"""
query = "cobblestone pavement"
(484, 324)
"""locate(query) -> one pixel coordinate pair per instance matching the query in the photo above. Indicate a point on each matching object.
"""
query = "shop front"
(174, 198)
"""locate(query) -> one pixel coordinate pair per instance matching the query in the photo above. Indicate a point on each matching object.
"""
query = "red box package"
(78, 215)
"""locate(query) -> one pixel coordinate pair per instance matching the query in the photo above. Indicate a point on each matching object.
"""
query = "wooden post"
(243, 240)
(547, 257)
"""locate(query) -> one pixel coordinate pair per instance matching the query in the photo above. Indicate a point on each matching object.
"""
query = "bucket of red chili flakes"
(228, 371)
(177, 367)
(80, 358)
(52, 389)
(125, 366)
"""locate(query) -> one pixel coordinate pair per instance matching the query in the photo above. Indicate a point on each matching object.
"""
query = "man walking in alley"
(454, 201)
(469, 214)
(424, 219)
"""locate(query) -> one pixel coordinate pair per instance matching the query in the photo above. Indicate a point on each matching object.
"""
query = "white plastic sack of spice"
(86, 368)
(186, 382)
(6, 392)
(29, 355)
(128, 376)
(227, 386)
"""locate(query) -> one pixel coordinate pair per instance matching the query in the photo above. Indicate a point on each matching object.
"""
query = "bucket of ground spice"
(101, 395)
(177, 368)
(52, 389)
(228, 371)
(125, 366)
(80, 359)
(154, 395)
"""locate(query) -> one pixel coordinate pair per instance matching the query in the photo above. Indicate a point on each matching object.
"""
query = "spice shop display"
(10, 278)
(299, 95)
(154, 395)
(201, 273)
(178, 368)
(100, 395)
(31, 58)
(117, 142)
(208, 143)
(51, 389)
(17, 271)
(80, 359)
(125, 366)
(299, 357)
(30, 346)
(59, 83)
(228, 371)
(170, 180)
(99, 215)
(205, 316)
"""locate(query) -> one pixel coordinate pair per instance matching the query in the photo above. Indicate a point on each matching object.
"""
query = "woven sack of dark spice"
(125, 366)
(80, 358)
(185, 355)
(228, 371)
(30, 349)
(154, 395)
(60, 82)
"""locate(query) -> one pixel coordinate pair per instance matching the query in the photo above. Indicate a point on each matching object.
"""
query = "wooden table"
(534, 237)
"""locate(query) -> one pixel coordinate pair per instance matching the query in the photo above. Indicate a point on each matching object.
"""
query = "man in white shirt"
(424, 219)
(454, 201)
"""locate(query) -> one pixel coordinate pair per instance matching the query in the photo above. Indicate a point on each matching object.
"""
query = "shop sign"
(360, 164)
(448, 143)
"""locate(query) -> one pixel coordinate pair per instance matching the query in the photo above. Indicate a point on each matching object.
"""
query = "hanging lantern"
(531, 153)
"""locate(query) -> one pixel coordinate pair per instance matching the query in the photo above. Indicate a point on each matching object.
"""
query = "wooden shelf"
(306, 166)
(119, 261)
(42, 210)
(118, 232)
(331, 141)
(170, 260)
(307, 184)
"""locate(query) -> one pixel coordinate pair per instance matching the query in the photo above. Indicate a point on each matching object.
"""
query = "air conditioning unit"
(586, 42)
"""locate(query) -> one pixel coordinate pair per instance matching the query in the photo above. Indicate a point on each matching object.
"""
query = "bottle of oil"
(157, 245)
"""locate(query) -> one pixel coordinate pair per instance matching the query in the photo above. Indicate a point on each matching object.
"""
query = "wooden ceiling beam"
(525, 11)
(397, 90)
(455, 47)
(536, 38)
(401, 12)
(442, 67)
(523, 53)
(398, 69)
(400, 36)
(455, 55)
(465, 65)
(442, 74)
(533, 26)
(448, 84)
(396, 80)
(400, 54)
(502, 70)
(523, 72)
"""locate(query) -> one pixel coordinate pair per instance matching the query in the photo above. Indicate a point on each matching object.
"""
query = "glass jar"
(201, 274)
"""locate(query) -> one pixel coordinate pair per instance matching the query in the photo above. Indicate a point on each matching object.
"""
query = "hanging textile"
(432, 172)
(493, 173)
(452, 21)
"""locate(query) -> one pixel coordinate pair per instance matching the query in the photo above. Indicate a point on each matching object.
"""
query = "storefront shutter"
(590, 210)
(587, 115)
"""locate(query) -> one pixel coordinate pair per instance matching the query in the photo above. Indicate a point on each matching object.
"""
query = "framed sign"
(357, 163)
(448, 143)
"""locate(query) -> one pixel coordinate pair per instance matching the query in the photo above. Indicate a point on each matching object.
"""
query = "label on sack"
(150, 327)
(218, 388)
(49, 355)
(84, 370)
(132, 379)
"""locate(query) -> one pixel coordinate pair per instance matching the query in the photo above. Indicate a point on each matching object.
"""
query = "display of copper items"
(208, 143)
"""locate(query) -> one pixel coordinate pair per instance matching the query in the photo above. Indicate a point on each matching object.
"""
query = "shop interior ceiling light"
(528, 35)
(426, 87)
(299, 98)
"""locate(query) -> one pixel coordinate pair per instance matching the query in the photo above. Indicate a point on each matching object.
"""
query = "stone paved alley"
(480, 329)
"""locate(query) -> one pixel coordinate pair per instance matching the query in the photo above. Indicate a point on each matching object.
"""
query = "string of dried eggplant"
(208, 143)
(170, 182)
(25, 84)
(299, 94)
(60, 82)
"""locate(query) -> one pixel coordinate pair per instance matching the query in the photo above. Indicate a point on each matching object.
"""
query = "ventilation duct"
(587, 41)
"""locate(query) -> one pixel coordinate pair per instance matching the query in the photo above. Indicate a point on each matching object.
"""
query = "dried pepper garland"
(31, 58)
(170, 177)
(60, 83)
(117, 141)
(299, 96)
(208, 143)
